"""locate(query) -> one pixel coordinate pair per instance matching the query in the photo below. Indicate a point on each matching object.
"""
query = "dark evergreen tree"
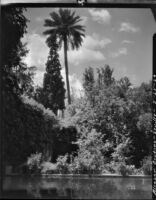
(88, 84)
(105, 76)
(88, 79)
(123, 87)
(53, 85)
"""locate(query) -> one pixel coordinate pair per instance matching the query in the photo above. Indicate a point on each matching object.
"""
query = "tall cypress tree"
(53, 85)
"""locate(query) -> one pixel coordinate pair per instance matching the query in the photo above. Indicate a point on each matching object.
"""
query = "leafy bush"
(121, 168)
(47, 113)
(74, 167)
(29, 128)
(119, 154)
(147, 165)
(110, 167)
(80, 166)
(138, 171)
(62, 164)
(124, 169)
(90, 158)
(34, 162)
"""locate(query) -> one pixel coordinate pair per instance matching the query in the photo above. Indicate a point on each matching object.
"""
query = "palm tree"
(64, 25)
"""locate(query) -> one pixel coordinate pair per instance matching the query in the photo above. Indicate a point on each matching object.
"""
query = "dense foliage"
(14, 22)
(120, 114)
(109, 129)
(27, 126)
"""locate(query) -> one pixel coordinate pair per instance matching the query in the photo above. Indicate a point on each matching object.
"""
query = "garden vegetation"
(107, 130)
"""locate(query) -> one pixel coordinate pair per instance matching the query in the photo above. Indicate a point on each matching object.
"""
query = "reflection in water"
(33, 190)
(77, 188)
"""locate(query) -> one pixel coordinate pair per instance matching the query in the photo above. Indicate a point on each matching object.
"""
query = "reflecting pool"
(77, 188)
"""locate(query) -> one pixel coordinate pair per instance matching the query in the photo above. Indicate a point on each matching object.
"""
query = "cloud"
(120, 70)
(93, 41)
(38, 51)
(38, 78)
(127, 42)
(101, 16)
(39, 19)
(82, 56)
(119, 52)
(89, 52)
(134, 79)
(128, 27)
(37, 56)
(76, 87)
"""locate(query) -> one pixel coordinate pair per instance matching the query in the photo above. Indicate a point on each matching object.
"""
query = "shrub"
(125, 170)
(90, 158)
(80, 166)
(62, 164)
(138, 171)
(110, 167)
(74, 167)
(122, 169)
(147, 165)
(34, 162)
(29, 128)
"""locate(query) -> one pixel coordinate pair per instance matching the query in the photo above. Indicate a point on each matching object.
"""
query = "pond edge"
(79, 175)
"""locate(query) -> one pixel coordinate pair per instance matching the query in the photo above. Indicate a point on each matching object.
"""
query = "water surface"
(77, 188)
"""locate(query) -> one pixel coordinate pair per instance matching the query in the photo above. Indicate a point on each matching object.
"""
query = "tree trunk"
(66, 69)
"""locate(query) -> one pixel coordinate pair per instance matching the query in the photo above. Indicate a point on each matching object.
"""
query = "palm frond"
(76, 39)
(79, 27)
(64, 14)
(75, 20)
(50, 31)
(65, 24)
(72, 15)
(55, 17)
(49, 23)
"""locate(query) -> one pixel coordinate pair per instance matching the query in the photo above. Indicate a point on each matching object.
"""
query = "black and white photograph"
(77, 99)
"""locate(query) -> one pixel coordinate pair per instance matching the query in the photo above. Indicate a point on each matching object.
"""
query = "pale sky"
(121, 38)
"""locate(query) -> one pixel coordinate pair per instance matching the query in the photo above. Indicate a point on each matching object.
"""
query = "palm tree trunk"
(66, 69)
